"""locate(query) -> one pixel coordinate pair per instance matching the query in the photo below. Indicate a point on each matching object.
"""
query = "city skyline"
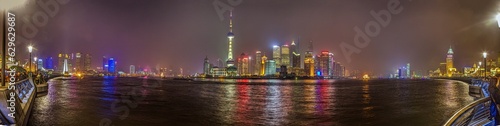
(180, 34)
(250, 62)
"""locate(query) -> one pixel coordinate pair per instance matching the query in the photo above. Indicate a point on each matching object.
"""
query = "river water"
(140, 101)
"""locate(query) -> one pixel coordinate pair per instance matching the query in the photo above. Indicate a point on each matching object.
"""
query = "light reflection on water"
(252, 102)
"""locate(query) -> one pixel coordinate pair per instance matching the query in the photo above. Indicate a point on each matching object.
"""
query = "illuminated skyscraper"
(270, 68)
(65, 69)
(132, 69)
(49, 63)
(295, 55)
(277, 55)
(324, 64)
(331, 64)
(87, 62)
(39, 63)
(449, 63)
(79, 62)
(230, 37)
(309, 64)
(258, 63)
(62, 62)
(263, 65)
(243, 65)
(111, 65)
(408, 71)
(285, 56)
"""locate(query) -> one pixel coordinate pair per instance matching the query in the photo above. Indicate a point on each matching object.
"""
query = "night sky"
(180, 33)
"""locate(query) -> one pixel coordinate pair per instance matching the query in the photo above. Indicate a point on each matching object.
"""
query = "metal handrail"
(465, 109)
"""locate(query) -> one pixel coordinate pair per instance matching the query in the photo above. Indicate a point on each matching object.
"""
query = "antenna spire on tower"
(231, 21)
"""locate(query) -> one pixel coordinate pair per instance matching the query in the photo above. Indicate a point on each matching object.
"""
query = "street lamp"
(484, 57)
(30, 49)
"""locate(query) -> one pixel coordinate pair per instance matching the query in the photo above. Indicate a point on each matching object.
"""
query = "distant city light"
(366, 76)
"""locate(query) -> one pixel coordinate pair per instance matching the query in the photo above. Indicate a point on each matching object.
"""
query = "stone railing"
(25, 93)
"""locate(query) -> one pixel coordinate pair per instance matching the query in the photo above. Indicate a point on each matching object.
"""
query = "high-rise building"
(206, 66)
(338, 70)
(403, 72)
(270, 68)
(49, 63)
(65, 67)
(111, 65)
(62, 63)
(105, 64)
(285, 56)
(295, 55)
(40, 63)
(331, 63)
(87, 62)
(263, 65)
(309, 64)
(323, 63)
(243, 65)
(79, 62)
(449, 62)
(277, 55)
(399, 73)
(408, 71)
(230, 37)
(258, 63)
(132, 69)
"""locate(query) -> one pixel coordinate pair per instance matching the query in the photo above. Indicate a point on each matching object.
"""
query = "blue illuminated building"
(111, 65)
(49, 63)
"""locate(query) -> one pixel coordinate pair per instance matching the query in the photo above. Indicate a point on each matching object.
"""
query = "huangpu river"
(143, 101)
